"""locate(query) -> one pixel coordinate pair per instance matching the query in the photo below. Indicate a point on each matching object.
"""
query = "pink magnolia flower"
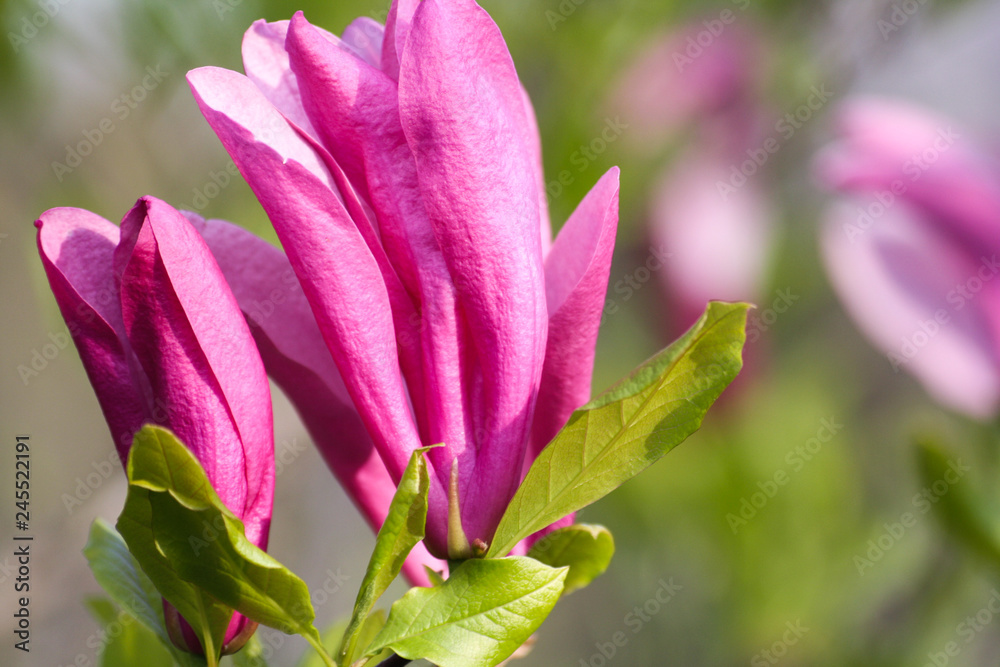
(163, 341)
(911, 248)
(401, 170)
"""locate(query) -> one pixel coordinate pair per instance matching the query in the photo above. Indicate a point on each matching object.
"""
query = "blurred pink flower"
(401, 169)
(163, 341)
(911, 248)
(718, 241)
(702, 69)
(709, 214)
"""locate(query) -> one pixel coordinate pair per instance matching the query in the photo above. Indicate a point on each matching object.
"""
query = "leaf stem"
(208, 642)
(316, 644)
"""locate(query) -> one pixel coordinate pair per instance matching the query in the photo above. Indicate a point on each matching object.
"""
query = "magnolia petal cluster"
(401, 169)
(163, 341)
(912, 246)
(297, 359)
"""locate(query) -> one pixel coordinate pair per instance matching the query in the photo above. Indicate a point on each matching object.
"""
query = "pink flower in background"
(912, 246)
(163, 341)
(718, 241)
(401, 169)
(683, 77)
(710, 216)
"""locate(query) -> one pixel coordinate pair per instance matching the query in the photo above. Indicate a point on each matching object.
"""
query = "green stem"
(208, 643)
(318, 645)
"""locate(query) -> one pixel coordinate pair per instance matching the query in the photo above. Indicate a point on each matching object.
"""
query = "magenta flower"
(912, 247)
(401, 169)
(163, 341)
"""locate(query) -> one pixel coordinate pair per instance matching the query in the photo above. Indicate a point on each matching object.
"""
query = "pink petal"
(576, 281)
(534, 141)
(266, 64)
(341, 279)
(76, 247)
(898, 281)
(463, 114)
(364, 36)
(207, 381)
(901, 151)
(397, 28)
(354, 107)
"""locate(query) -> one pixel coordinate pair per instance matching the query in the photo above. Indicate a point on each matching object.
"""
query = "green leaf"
(120, 576)
(478, 617)
(960, 509)
(208, 618)
(195, 547)
(629, 427)
(402, 529)
(125, 642)
(587, 550)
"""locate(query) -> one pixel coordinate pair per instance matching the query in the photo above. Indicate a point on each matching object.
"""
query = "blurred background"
(757, 139)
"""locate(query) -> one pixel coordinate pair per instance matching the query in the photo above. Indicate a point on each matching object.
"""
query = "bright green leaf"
(402, 529)
(208, 617)
(179, 508)
(120, 576)
(125, 641)
(587, 550)
(478, 617)
(629, 427)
